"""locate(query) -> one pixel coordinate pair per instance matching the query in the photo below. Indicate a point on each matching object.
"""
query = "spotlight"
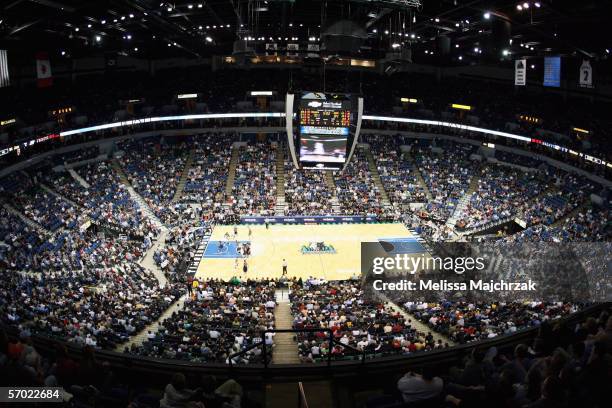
(525, 5)
(460, 58)
(135, 48)
(63, 53)
(209, 39)
(487, 15)
(395, 45)
(103, 21)
(532, 66)
(98, 38)
(537, 4)
(519, 7)
(505, 53)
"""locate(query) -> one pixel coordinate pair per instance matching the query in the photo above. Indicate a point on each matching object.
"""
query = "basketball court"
(270, 246)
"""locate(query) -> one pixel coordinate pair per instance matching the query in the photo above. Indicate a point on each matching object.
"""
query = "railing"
(302, 401)
(266, 358)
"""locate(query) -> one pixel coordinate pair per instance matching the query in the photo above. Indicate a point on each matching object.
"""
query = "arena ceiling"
(192, 28)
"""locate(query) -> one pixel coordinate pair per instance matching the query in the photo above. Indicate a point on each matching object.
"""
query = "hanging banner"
(4, 72)
(313, 51)
(43, 70)
(586, 75)
(520, 72)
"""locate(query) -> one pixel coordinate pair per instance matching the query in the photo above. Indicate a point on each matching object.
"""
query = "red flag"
(43, 70)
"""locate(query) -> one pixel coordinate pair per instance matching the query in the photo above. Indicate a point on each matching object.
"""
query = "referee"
(284, 266)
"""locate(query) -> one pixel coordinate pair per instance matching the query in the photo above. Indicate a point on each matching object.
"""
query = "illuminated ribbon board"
(282, 115)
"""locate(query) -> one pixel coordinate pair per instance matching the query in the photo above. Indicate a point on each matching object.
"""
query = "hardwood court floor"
(269, 247)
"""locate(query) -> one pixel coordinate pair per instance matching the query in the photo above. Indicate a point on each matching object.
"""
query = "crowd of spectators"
(447, 173)
(154, 167)
(397, 174)
(218, 320)
(207, 176)
(501, 192)
(355, 188)
(105, 200)
(90, 291)
(463, 322)
(564, 366)
(254, 189)
(357, 324)
(306, 192)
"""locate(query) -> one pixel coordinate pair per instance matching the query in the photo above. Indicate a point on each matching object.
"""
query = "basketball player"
(267, 224)
(250, 232)
(284, 266)
(245, 267)
(235, 231)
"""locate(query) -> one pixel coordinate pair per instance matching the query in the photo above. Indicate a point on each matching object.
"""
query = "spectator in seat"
(420, 387)
(177, 396)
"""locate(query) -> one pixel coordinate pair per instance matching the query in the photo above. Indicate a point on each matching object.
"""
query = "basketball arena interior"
(241, 203)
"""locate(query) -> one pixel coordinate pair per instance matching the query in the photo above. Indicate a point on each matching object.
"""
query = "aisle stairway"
(285, 348)
(419, 176)
(135, 196)
(231, 173)
(331, 185)
(58, 195)
(148, 262)
(582, 207)
(181, 184)
(78, 178)
(415, 323)
(42, 230)
(280, 180)
(139, 338)
(376, 177)
(464, 200)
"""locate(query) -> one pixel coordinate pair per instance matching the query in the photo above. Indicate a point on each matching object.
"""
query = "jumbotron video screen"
(324, 122)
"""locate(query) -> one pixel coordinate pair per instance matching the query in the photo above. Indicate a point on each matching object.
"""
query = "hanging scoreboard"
(326, 129)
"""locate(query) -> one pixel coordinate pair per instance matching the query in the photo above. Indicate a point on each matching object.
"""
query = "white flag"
(520, 72)
(586, 75)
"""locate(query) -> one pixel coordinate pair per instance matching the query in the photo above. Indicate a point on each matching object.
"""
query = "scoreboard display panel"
(324, 122)
(318, 117)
